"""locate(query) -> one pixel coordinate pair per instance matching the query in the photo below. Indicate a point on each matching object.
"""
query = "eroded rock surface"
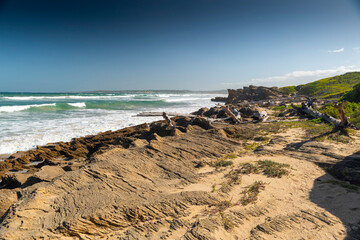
(164, 182)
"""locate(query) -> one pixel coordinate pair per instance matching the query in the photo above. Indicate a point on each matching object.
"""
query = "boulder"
(202, 122)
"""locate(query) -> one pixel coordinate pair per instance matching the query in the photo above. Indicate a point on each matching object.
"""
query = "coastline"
(29, 120)
(177, 182)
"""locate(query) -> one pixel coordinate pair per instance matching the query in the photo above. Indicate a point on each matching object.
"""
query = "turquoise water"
(31, 119)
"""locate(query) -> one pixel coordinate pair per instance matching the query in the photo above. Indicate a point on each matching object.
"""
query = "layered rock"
(251, 93)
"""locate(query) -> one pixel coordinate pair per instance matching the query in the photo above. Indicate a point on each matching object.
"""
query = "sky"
(84, 45)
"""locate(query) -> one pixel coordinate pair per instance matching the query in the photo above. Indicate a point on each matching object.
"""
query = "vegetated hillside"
(332, 87)
(353, 95)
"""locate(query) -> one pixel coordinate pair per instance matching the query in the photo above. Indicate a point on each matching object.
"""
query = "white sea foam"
(22, 107)
(27, 98)
(23, 131)
(79, 105)
(182, 99)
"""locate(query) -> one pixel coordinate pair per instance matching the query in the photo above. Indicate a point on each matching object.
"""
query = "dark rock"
(11, 181)
(202, 122)
(200, 112)
(252, 93)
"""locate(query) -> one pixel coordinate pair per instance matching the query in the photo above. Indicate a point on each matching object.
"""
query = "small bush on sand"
(223, 163)
(252, 146)
(273, 169)
(267, 167)
(247, 168)
(251, 194)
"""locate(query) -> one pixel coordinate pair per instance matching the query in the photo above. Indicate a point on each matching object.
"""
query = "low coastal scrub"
(290, 90)
(250, 195)
(317, 130)
(353, 95)
(220, 208)
(267, 167)
(225, 160)
(233, 177)
(223, 163)
(352, 111)
(332, 87)
(278, 108)
(252, 146)
(273, 169)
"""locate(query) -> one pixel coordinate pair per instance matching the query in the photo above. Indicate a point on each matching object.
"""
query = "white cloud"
(337, 50)
(297, 77)
(356, 49)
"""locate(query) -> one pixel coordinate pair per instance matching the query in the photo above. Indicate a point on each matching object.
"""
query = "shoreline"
(77, 116)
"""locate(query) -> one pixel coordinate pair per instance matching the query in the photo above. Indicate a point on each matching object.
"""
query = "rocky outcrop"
(79, 149)
(251, 93)
(127, 190)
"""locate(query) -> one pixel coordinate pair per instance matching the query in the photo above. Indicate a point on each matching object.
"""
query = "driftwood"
(167, 119)
(310, 102)
(228, 112)
(315, 114)
(262, 116)
(342, 114)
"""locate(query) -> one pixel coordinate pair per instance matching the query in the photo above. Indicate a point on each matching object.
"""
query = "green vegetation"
(213, 188)
(273, 169)
(251, 194)
(319, 131)
(225, 160)
(248, 168)
(221, 207)
(353, 95)
(290, 90)
(278, 108)
(223, 163)
(267, 167)
(252, 146)
(352, 111)
(332, 87)
(234, 177)
(230, 156)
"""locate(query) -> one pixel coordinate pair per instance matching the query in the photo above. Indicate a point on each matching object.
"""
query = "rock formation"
(168, 182)
(251, 93)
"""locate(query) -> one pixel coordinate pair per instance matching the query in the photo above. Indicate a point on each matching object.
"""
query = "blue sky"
(81, 45)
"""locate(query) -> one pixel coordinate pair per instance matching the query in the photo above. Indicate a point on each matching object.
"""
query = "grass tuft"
(251, 194)
(223, 163)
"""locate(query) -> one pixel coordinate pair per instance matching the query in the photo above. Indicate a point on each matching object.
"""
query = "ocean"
(28, 120)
